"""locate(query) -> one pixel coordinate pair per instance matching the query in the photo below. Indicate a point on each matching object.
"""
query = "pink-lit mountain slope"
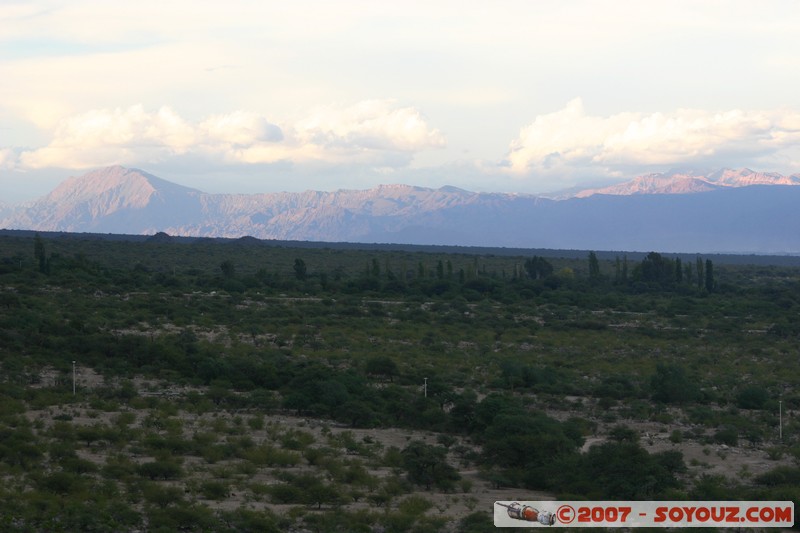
(692, 182)
(731, 212)
(108, 199)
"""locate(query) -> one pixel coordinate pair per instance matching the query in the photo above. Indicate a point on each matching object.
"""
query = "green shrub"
(160, 470)
(214, 490)
(728, 436)
(752, 397)
(782, 475)
(414, 505)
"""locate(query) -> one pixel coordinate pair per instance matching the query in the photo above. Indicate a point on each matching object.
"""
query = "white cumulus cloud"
(372, 124)
(374, 132)
(118, 136)
(240, 128)
(569, 140)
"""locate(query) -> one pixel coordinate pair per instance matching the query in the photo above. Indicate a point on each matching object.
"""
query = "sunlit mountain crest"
(113, 188)
(687, 182)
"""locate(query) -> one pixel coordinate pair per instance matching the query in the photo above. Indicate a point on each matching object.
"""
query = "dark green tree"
(300, 270)
(687, 272)
(228, 268)
(624, 268)
(671, 384)
(426, 465)
(160, 470)
(752, 397)
(655, 268)
(387, 268)
(623, 433)
(476, 522)
(381, 365)
(39, 253)
(356, 413)
(709, 275)
(538, 267)
(701, 278)
(624, 470)
(594, 267)
(526, 440)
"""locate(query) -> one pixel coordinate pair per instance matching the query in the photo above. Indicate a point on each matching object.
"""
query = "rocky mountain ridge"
(688, 182)
(737, 211)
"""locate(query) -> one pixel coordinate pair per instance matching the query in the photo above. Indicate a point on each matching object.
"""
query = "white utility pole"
(780, 420)
(73, 378)
(425, 388)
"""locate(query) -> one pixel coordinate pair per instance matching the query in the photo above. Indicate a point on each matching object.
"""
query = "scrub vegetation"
(239, 385)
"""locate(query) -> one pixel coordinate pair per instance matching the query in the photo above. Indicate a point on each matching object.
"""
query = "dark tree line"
(665, 272)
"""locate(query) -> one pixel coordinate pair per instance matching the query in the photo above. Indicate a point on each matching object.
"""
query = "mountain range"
(724, 211)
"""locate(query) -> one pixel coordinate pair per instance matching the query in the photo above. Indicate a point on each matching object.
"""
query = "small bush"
(414, 505)
(160, 470)
(782, 475)
(728, 436)
(753, 397)
(214, 490)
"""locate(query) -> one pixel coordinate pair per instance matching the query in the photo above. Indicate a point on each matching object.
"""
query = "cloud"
(372, 124)
(569, 140)
(8, 159)
(118, 136)
(374, 132)
(240, 128)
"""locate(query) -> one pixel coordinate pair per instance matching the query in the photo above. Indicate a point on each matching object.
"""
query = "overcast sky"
(526, 96)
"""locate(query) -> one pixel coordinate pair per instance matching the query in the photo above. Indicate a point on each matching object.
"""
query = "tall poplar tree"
(39, 252)
(709, 275)
(594, 267)
(700, 272)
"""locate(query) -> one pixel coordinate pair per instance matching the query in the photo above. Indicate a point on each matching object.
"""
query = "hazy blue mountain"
(735, 211)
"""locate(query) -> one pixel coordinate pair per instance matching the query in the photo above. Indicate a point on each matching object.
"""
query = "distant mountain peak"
(453, 188)
(687, 181)
(102, 181)
(87, 202)
(130, 187)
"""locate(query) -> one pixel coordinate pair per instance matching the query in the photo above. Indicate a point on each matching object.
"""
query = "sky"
(526, 96)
